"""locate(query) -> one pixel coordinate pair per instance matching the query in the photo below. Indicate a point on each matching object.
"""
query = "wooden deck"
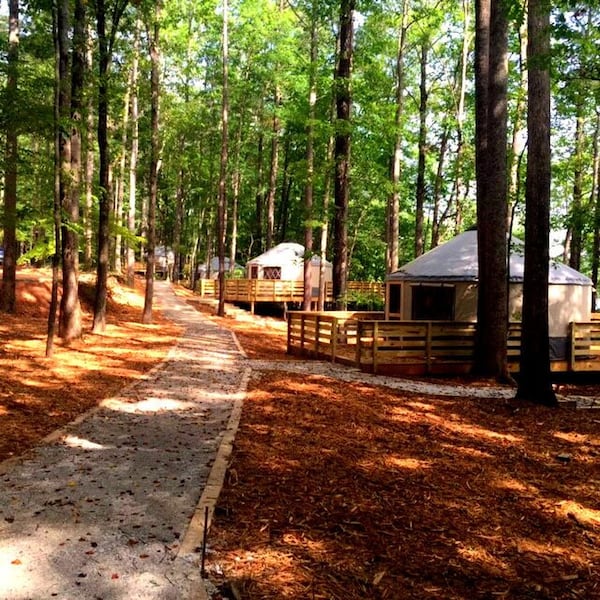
(252, 291)
(369, 342)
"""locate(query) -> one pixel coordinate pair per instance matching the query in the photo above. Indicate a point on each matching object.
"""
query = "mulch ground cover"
(349, 491)
(39, 394)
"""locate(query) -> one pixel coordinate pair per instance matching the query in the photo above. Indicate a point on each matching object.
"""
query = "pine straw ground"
(345, 491)
(341, 491)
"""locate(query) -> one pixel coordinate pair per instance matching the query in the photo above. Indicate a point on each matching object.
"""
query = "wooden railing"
(585, 346)
(370, 343)
(332, 334)
(275, 290)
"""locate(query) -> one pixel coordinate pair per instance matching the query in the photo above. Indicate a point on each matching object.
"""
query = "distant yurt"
(286, 262)
(204, 272)
(442, 285)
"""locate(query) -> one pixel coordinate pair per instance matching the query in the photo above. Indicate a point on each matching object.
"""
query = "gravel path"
(104, 507)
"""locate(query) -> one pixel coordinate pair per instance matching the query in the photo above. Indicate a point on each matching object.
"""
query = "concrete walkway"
(112, 507)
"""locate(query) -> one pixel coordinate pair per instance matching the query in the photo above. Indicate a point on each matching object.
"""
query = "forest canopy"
(412, 108)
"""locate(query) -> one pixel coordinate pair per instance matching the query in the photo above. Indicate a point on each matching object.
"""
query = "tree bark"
(133, 157)
(393, 204)
(577, 218)
(492, 305)
(310, 160)
(342, 152)
(222, 204)
(535, 381)
(99, 323)
(595, 203)
(70, 327)
(154, 161)
(420, 188)
(11, 156)
(105, 46)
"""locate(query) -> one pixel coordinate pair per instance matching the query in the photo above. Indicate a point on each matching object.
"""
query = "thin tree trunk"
(439, 178)
(154, 162)
(274, 168)
(133, 157)
(519, 124)
(595, 203)
(89, 169)
(120, 184)
(325, 223)
(260, 196)
(222, 205)
(577, 210)
(459, 184)
(420, 191)
(70, 309)
(58, 22)
(99, 323)
(535, 381)
(393, 204)
(178, 225)
(9, 267)
(310, 161)
(105, 46)
(342, 152)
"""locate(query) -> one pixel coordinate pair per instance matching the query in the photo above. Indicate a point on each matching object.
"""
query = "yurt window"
(272, 273)
(394, 304)
(433, 303)
(253, 271)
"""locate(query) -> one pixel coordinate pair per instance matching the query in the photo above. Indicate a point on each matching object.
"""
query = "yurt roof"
(456, 260)
(284, 253)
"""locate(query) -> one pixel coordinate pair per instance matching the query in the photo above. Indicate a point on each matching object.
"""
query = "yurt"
(442, 285)
(286, 262)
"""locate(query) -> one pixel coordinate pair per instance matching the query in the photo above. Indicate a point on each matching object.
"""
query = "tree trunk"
(518, 134)
(310, 161)
(458, 187)
(154, 162)
(59, 22)
(179, 216)
(222, 205)
(120, 184)
(420, 189)
(89, 167)
(437, 218)
(535, 382)
(260, 195)
(492, 305)
(9, 268)
(70, 309)
(105, 46)
(393, 204)
(595, 202)
(342, 152)
(577, 217)
(99, 323)
(133, 157)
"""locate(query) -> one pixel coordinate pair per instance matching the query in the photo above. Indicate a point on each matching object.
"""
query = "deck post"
(289, 332)
(317, 332)
(358, 336)
(428, 348)
(334, 338)
(572, 334)
(375, 346)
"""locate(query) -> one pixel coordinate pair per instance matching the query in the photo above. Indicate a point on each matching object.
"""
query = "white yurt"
(442, 285)
(286, 262)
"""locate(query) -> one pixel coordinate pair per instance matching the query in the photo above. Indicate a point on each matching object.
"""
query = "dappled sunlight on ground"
(368, 493)
(39, 394)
